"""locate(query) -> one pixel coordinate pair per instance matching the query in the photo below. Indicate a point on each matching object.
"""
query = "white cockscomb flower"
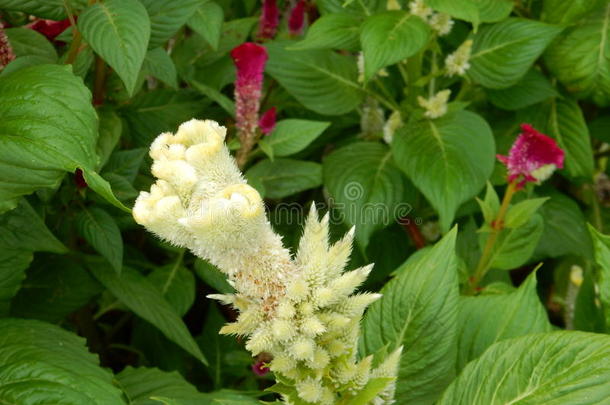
(391, 126)
(441, 23)
(419, 8)
(457, 63)
(435, 106)
(301, 310)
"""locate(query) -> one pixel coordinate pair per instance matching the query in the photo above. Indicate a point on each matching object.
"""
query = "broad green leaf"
(486, 319)
(580, 57)
(366, 187)
(149, 114)
(474, 11)
(359, 7)
(122, 188)
(177, 284)
(207, 21)
(110, 130)
(520, 213)
(140, 384)
(41, 140)
(515, 246)
(414, 315)
(332, 31)
(565, 230)
(23, 229)
(27, 42)
(283, 177)
(101, 231)
(533, 88)
(293, 135)
(567, 125)
(502, 53)
(55, 286)
(601, 244)
(600, 128)
(589, 313)
(322, 80)
(166, 18)
(449, 159)
(490, 205)
(158, 63)
(563, 367)
(145, 300)
(44, 364)
(225, 102)
(13, 264)
(390, 37)
(51, 9)
(118, 30)
(565, 12)
(125, 163)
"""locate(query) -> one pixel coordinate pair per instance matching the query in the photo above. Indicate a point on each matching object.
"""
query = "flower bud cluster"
(435, 106)
(457, 63)
(303, 310)
(439, 22)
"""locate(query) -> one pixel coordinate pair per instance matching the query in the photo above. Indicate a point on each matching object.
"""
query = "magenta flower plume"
(533, 157)
(297, 18)
(270, 19)
(249, 59)
(267, 121)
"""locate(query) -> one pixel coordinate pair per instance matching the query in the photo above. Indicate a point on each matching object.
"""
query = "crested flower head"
(457, 63)
(303, 310)
(270, 18)
(297, 18)
(533, 157)
(435, 106)
(249, 59)
(267, 121)
(441, 23)
(420, 9)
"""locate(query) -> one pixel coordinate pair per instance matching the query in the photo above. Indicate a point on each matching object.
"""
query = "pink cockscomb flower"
(259, 368)
(270, 19)
(249, 59)
(533, 157)
(297, 18)
(267, 121)
(6, 50)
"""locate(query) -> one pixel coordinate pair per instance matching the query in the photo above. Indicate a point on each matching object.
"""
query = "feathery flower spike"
(269, 20)
(296, 19)
(267, 121)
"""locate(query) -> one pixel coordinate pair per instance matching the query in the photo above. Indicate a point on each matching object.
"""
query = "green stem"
(496, 227)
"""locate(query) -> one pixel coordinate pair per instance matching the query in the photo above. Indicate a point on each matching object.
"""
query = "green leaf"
(145, 300)
(225, 102)
(283, 177)
(413, 314)
(42, 363)
(580, 58)
(520, 213)
(533, 88)
(366, 187)
(51, 9)
(565, 12)
(207, 21)
(177, 284)
(390, 37)
(213, 277)
(515, 246)
(565, 230)
(22, 228)
(125, 163)
(166, 18)
(372, 388)
(102, 187)
(110, 130)
(490, 205)
(360, 7)
(486, 319)
(332, 31)
(567, 125)
(13, 264)
(41, 141)
(55, 287)
(293, 135)
(140, 384)
(118, 30)
(475, 11)
(601, 244)
(551, 368)
(335, 91)
(158, 63)
(449, 159)
(27, 42)
(502, 53)
(101, 231)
